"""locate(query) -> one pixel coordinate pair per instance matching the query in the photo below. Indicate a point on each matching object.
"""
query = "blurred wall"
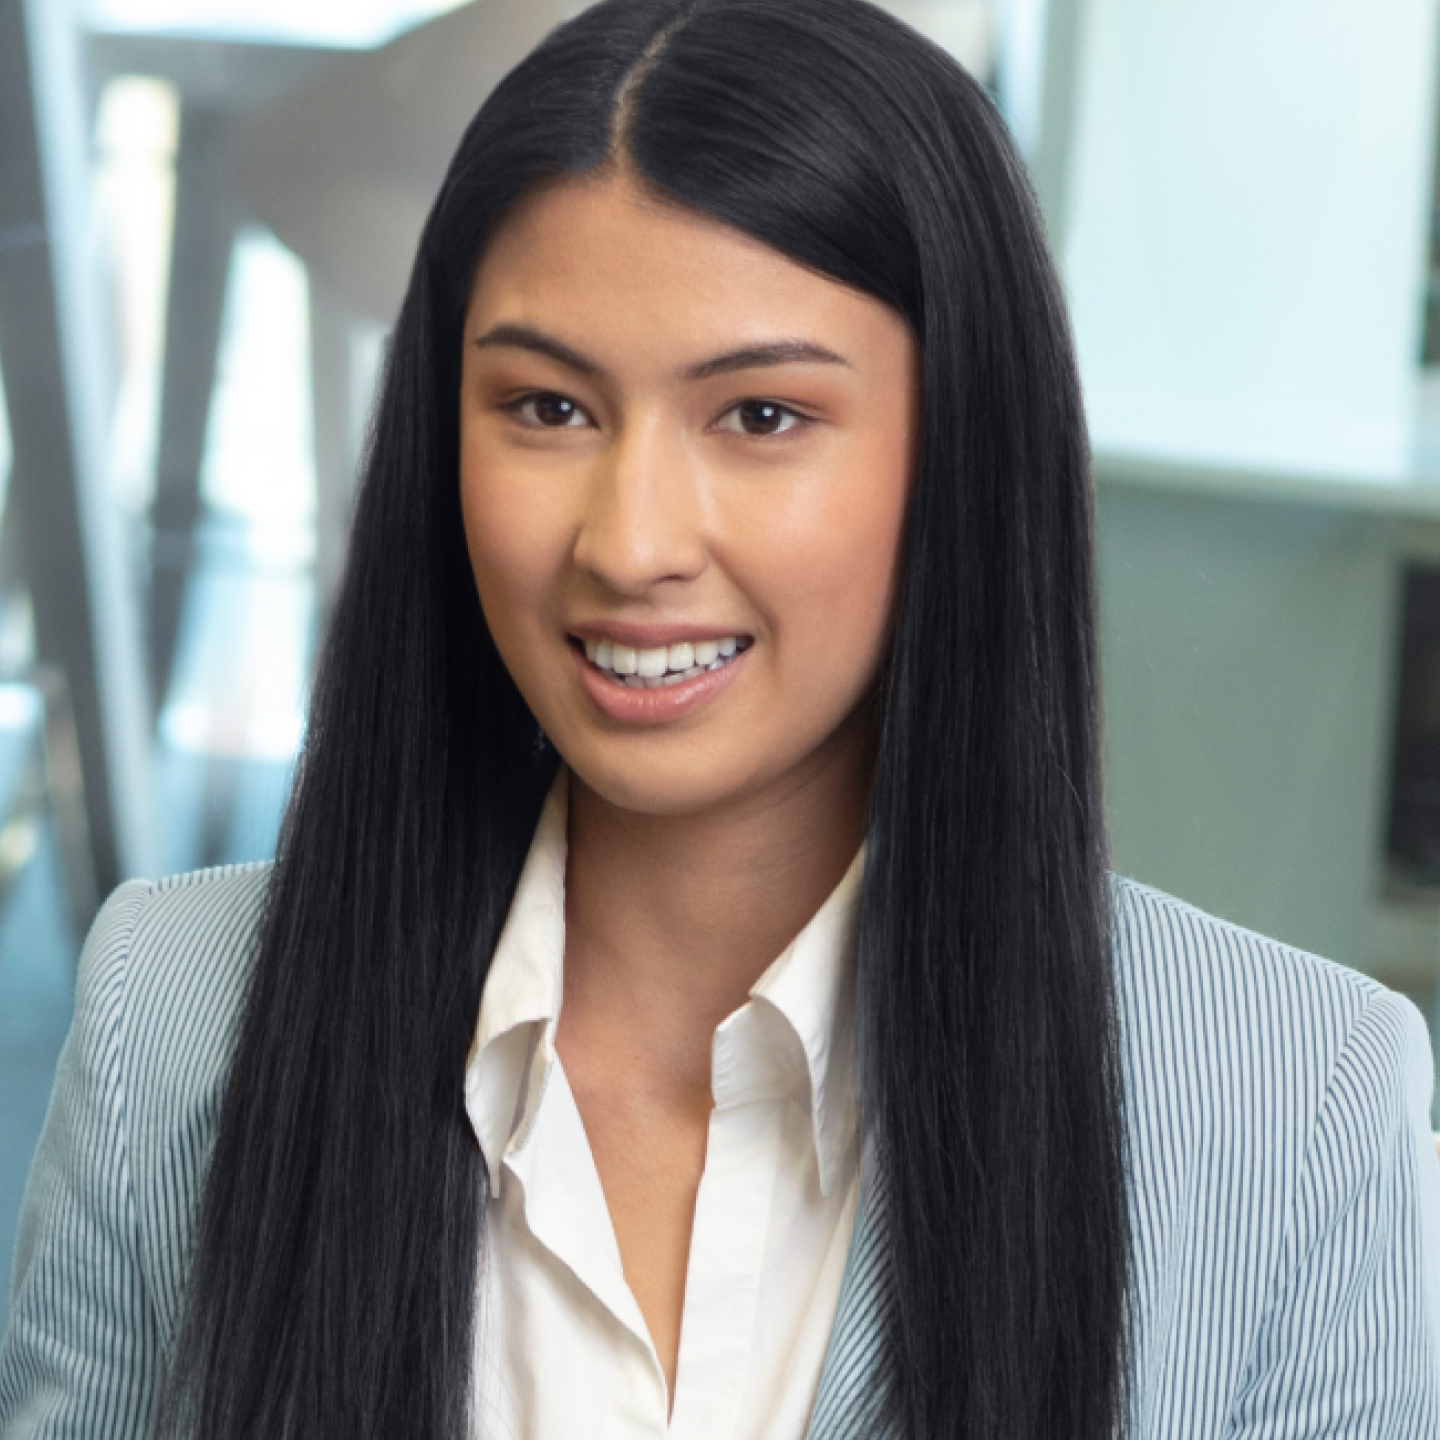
(1248, 653)
(1249, 205)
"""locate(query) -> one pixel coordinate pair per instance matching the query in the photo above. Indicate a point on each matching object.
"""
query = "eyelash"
(516, 407)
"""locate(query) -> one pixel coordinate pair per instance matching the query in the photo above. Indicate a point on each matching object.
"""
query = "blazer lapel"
(850, 1394)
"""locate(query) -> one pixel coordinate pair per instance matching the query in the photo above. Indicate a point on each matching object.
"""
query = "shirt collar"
(809, 986)
(514, 1042)
(811, 983)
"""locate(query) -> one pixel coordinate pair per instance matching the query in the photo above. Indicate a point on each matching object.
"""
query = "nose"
(642, 519)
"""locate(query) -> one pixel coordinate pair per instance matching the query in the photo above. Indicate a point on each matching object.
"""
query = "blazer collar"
(851, 1389)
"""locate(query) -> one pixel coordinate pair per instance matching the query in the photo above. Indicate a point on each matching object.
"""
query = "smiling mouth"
(664, 665)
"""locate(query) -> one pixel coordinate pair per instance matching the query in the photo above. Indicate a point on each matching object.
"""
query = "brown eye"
(551, 411)
(760, 417)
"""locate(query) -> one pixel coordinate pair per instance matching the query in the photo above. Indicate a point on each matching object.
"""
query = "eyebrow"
(773, 352)
(749, 357)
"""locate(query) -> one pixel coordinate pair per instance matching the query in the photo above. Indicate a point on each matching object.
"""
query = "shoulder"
(1236, 1003)
(163, 971)
(1282, 1180)
(1252, 1070)
(1237, 1040)
(182, 946)
(161, 985)
(105, 1227)
(168, 961)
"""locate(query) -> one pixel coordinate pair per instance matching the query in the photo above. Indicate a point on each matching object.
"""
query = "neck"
(670, 919)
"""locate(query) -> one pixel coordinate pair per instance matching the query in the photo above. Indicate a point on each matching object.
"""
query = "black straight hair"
(332, 1289)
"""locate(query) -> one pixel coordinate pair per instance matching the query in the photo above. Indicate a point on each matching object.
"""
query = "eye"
(546, 410)
(760, 417)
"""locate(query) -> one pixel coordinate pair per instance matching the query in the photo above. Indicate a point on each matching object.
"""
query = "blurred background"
(207, 213)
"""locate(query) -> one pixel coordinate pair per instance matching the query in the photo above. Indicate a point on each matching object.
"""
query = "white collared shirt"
(563, 1352)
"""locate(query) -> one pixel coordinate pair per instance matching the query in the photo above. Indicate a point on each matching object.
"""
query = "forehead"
(598, 253)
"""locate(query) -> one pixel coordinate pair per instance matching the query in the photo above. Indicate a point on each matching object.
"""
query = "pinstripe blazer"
(1284, 1193)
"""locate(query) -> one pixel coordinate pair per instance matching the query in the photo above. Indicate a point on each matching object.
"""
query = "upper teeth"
(651, 664)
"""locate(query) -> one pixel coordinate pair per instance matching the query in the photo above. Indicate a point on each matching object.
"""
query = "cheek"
(511, 551)
(833, 558)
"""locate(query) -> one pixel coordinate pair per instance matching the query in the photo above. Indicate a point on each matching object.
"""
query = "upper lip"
(653, 635)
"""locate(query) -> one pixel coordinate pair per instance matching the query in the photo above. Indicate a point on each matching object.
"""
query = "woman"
(716, 657)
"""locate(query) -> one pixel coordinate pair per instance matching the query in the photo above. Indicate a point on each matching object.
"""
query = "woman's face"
(682, 452)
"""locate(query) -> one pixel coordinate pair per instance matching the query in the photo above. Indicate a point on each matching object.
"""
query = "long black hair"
(333, 1282)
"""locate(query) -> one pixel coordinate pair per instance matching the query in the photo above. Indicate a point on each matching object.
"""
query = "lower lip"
(654, 707)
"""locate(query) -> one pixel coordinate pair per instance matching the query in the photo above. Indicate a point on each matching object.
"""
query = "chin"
(655, 784)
